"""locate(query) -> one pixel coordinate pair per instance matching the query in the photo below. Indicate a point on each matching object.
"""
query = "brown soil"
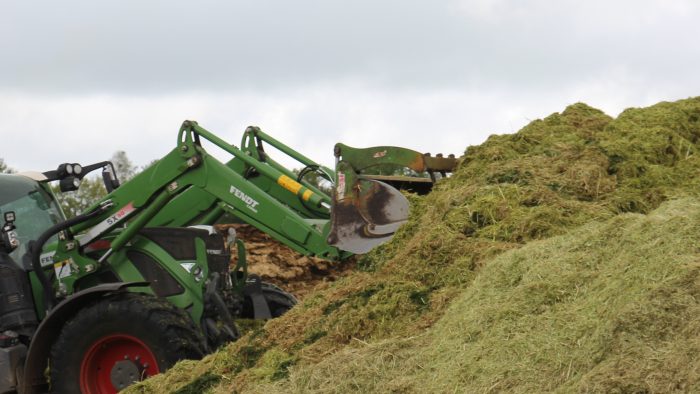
(278, 264)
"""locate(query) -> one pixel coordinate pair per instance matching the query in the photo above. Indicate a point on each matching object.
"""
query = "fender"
(32, 377)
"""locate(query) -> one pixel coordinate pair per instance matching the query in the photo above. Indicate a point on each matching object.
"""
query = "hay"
(549, 179)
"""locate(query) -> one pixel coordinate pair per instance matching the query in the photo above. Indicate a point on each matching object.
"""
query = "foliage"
(4, 168)
(75, 202)
(123, 166)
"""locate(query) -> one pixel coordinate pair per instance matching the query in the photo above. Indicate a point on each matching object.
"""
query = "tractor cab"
(34, 206)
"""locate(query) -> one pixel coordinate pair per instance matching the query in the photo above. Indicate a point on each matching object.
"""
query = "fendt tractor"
(142, 279)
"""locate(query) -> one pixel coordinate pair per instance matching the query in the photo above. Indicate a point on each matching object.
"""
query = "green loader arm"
(196, 207)
(193, 186)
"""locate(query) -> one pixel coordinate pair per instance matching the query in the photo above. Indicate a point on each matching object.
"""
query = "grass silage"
(475, 294)
(609, 307)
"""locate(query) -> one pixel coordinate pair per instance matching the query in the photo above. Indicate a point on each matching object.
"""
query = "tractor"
(141, 279)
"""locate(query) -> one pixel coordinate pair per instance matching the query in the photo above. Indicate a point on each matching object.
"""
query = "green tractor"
(141, 279)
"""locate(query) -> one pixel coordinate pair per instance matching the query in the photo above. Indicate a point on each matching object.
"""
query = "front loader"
(139, 280)
(366, 210)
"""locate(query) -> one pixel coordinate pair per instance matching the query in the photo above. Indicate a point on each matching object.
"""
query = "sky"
(80, 80)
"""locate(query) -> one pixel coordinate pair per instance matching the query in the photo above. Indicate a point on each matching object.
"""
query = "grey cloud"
(172, 46)
(93, 77)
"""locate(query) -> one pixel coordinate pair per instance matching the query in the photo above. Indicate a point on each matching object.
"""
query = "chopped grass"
(469, 297)
(610, 307)
(200, 385)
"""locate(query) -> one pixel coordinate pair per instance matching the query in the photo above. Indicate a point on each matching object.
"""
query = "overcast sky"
(82, 79)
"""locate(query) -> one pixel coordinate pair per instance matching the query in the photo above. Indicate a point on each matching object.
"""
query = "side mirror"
(109, 177)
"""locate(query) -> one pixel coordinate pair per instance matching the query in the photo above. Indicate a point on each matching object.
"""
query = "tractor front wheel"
(278, 300)
(121, 340)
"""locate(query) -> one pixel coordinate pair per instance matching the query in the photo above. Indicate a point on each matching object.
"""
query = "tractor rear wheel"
(121, 340)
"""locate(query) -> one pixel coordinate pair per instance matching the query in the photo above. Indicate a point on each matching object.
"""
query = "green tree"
(123, 166)
(4, 168)
(73, 203)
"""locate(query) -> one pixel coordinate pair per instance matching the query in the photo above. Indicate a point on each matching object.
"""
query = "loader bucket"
(365, 212)
(367, 208)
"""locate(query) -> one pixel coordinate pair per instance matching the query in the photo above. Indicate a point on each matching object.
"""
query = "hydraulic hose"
(49, 297)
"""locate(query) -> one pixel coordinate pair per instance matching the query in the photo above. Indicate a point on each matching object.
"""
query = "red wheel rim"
(105, 353)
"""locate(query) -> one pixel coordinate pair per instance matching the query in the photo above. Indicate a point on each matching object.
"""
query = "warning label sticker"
(63, 269)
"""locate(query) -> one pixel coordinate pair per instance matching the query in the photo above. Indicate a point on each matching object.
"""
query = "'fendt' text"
(248, 200)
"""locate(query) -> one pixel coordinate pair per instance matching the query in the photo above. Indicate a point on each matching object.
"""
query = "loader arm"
(190, 184)
(194, 206)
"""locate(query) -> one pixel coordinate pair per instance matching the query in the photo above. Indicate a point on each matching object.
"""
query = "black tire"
(278, 300)
(114, 326)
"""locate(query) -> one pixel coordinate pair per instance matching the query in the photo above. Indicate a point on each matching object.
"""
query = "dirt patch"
(278, 264)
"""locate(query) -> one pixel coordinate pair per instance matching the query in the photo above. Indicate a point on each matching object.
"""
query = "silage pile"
(542, 264)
